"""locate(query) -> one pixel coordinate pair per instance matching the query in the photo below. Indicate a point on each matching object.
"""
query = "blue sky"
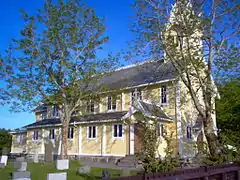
(116, 14)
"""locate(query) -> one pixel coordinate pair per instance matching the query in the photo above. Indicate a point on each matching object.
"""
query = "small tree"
(192, 36)
(54, 60)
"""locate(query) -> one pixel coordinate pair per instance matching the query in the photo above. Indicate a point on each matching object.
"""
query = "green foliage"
(57, 49)
(153, 162)
(5, 140)
(230, 154)
(228, 112)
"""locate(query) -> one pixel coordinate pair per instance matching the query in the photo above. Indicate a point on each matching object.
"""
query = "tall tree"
(192, 36)
(55, 59)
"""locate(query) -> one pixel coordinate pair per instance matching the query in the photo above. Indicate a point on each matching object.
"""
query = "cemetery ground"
(39, 171)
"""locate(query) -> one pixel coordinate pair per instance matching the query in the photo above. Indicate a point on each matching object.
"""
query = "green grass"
(39, 171)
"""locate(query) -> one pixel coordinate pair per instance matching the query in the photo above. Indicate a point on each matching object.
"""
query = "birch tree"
(192, 36)
(55, 59)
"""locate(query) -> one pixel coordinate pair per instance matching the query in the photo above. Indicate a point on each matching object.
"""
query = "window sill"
(91, 139)
(164, 104)
(118, 138)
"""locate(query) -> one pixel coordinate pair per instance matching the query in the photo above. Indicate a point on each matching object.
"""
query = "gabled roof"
(148, 110)
(82, 119)
(148, 72)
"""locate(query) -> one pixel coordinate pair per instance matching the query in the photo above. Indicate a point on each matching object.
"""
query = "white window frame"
(187, 132)
(139, 95)
(49, 137)
(111, 102)
(122, 137)
(70, 131)
(92, 138)
(160, 130)
(89, 104)
(45, 116)
(36, 135)
(19, 139)
(166, 93)
(55, 112)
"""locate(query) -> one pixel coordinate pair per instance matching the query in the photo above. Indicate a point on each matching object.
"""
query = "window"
(35, 134)
(44, 115)
(20, 139)
(117, 130)
(136, 94)
(92, 132)
(51, 134)
(189, 132)
(163, 94)
(111, 102)
(90, 106)
(70, 132)
(55, 111)
(160, 130)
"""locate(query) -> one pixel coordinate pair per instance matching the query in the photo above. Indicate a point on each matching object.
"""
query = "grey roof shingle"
(145, 73)
(154, 110)
(89, 117)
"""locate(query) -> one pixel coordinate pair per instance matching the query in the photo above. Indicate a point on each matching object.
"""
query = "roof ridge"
(136, 64)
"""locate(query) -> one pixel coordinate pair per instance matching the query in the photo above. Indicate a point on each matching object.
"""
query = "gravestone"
(23, 167)
(17, 162)
(21, 175)
(62, 164)
(105, 175)
(35, 158)
(48, 156)
(4, 151)
(4, 159)
(57, 176)
(20, 159)
(84, 169)
(2, 165)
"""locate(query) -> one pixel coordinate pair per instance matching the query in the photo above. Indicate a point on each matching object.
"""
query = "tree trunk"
(212, 139)
(64, 145)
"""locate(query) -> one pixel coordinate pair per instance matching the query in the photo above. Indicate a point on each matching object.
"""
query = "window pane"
(163, 94)
(68, 133)
(120, 130)
(92, 106)
(162, 129)
(72, 132)
(115, 131)
(89, 131)
(53, 134)
(94, 131)
(109, 103)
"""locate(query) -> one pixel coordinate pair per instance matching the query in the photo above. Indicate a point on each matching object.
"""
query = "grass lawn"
(39, 171)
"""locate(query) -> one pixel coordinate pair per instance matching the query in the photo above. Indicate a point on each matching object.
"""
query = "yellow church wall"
(88, 145)
(116, 146)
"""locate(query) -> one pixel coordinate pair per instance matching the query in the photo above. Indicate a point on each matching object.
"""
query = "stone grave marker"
(21, 175)
(2, 165)
(20, 159)
(4, 159)
(84, 169)
(17, 162)
(62, 164)
(105, 175)
(48, 156)
(57, 176)
(22, 167)
(35, 158)
(4, 151)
